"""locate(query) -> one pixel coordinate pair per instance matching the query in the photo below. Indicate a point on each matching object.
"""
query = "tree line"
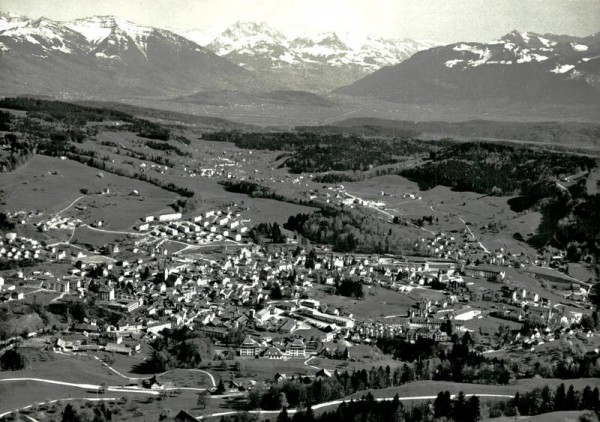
(546, 400)
(319, 152)
(352, 231)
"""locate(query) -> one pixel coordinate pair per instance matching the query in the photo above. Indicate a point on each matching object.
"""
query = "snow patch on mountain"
(546, 41)
(90, 30)
(451, 63)
(579, 47)
(251, 44)
(562, 68)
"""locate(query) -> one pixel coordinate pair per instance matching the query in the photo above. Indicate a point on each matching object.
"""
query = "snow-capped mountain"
(317, 62)
(105, 55)
(521, 66)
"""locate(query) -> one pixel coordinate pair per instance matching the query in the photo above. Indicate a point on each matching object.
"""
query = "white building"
(170, 217)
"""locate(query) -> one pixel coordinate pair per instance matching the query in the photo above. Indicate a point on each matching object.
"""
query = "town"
(268, 292)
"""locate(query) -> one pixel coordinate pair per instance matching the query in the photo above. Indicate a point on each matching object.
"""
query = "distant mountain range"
(318, 62)
(104, 56)
(522, 67)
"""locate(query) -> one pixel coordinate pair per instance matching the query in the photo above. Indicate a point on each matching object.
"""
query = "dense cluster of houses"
(17, 249)
(212, 226)
(269, 291)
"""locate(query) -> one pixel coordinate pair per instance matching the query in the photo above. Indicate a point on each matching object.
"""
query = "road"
(139, 390)
(120, 389)
(338, 402)
(212, 379)
(70, 205)
(87, 226)
(92, 399)
(312, 366)
(117, 388)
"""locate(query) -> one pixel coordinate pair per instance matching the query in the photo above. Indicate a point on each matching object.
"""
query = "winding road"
(97, 388)
(338, 402)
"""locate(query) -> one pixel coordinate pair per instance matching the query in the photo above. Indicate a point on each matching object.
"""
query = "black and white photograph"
(300, 210)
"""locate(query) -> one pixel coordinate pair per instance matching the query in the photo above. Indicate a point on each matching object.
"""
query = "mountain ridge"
(520, 66)
(107, 55)
(314, 62)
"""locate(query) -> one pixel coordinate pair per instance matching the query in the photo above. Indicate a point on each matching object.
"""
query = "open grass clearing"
(262, 369)
(377, 302)
(65, 368)
(489, 325)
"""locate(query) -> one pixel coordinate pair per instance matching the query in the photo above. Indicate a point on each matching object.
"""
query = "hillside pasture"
(448, 207)
(51, 185)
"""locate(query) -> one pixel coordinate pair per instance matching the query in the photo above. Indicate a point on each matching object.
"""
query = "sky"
(443, 21)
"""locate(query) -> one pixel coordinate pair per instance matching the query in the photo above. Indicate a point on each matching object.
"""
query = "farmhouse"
(272, 353)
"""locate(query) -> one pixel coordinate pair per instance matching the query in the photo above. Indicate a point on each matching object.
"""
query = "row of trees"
(266, 230)
(251, 188)
(319, 152)
(162, 146)
(12, 360)
(545, 400)
(460, 408)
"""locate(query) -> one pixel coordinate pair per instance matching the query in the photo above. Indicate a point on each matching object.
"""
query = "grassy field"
(565, 416)
(269, 211)
(378, 302)
(209, 194)
(87, 236)
(124, 364)
(489, 325)
(350, 365)
(33, 186)
(185, 378)
(71, 368)
(265, 368)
